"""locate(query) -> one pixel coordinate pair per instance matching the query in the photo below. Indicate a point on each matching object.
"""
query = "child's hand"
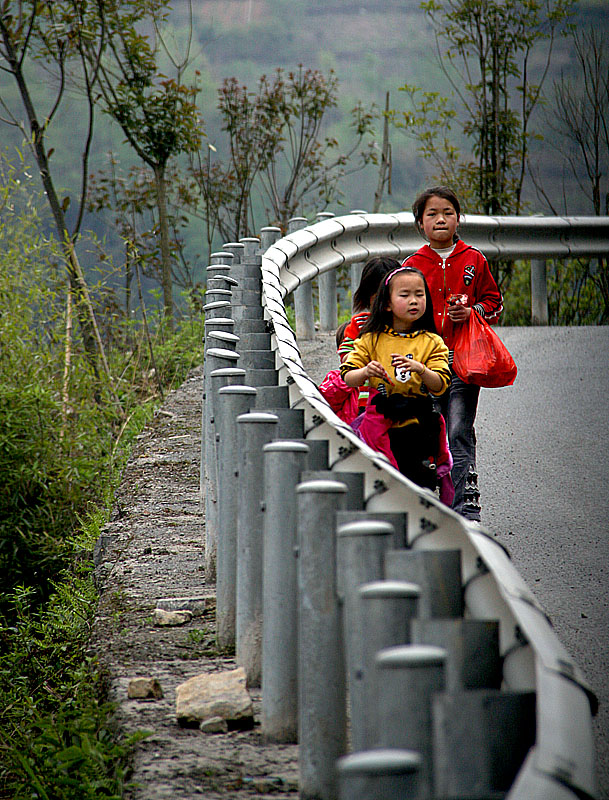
(404, 362)
(374, 369)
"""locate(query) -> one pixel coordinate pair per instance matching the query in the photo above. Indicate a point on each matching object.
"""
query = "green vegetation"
(65, 433)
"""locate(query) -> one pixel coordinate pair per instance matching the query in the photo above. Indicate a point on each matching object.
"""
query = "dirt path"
(153, 549)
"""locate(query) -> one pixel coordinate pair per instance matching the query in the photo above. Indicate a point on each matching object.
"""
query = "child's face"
(407, 300)
(439, 222)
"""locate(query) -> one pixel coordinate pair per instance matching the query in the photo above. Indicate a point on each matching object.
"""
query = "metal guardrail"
(326, 245)
(560, 764)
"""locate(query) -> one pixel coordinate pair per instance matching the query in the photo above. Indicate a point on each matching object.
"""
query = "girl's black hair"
(380, 318)
(340, 333)
(372, 274)
(418, 207)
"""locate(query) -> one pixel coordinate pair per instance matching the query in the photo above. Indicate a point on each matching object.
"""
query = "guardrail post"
(256, 429)
(219, 308)
(235, 251)
(303, 294)
(326, 284)
(322, 733)
(407, 679)
(221, 257)
(353, 481)
(481, 738)
(215, 359)
(383, 774)
(539, 292)
(268, 236)
(386, 611)
(212, 324)
(219, 378)
(233, 401)
(360, 552)
(284, 461)
(472, 645)
(356, 266)
(397, 519)
(436, 572)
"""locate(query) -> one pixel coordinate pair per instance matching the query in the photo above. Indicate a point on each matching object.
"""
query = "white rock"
(215, 694)
(194, 604)
(171, 618)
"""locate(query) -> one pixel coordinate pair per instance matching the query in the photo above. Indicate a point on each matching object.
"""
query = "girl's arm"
(357, 377)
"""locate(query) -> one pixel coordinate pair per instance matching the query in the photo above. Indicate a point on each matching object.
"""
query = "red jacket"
(466, 271)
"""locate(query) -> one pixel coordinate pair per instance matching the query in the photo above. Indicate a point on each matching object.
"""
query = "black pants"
(414, 447)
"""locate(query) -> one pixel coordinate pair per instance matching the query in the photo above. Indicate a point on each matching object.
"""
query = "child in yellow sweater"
(400, 350)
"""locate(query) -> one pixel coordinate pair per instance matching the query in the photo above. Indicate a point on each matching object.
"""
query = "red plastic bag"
(480, 356)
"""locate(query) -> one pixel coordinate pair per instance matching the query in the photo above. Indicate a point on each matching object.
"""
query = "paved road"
(543, 458)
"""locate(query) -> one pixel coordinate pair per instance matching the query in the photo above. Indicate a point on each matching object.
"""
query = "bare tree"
(581, 117)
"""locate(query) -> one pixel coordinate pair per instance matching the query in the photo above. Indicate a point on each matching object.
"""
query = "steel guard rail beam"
(560, 765)
(312, 250)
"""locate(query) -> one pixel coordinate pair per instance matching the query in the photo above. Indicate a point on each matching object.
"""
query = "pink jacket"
(342, 399)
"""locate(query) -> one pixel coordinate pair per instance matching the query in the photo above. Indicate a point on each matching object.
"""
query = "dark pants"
(458, 406)
(415, 447)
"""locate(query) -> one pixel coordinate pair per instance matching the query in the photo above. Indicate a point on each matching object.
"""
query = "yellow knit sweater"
(428, 348)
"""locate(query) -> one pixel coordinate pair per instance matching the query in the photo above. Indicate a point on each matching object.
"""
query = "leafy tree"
(43, 33)
(306, 166)
(278, 155)
(157, 114)
(495, 56)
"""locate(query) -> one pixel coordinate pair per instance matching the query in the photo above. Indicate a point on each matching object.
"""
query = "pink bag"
(480, 357)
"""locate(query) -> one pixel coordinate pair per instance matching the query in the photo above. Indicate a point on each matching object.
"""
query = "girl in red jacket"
(459, 279)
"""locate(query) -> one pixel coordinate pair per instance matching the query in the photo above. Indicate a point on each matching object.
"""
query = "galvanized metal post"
(397, 519)
(539, 292)
(212, 324)
(222, 339)
(221, 257)
(354, 481)
(407, 680)
(218, 324)
(219, 308)
(481, 738)
(326, 284)
(256, 430)
(219, 378)
(216, 358)
(233, 401)
(360, 555)
(284, 461)
(303, 294)
(472, 645)
(235, 251)
(436, 572)
(268, 236)
(322, 726)
(383, 774)
(387, 609)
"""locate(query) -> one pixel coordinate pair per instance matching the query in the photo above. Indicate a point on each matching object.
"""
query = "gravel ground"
(153, 549)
